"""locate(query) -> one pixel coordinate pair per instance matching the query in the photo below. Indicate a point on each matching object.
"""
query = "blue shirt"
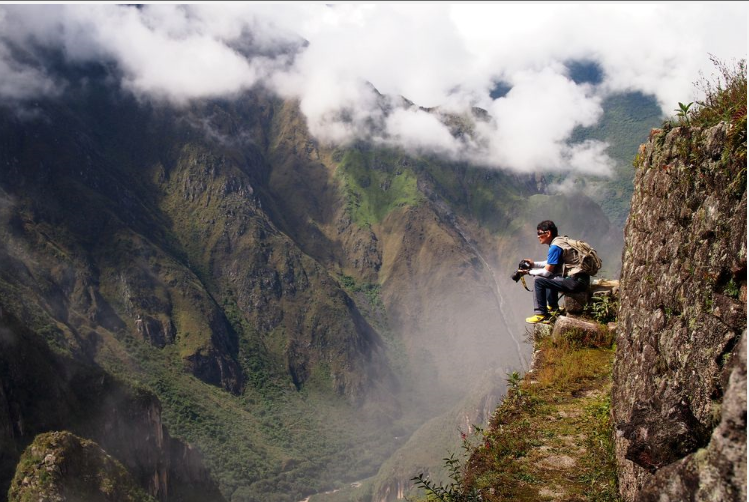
(555, 255)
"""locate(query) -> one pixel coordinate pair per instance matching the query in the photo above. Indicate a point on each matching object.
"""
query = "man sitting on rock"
(549, 277)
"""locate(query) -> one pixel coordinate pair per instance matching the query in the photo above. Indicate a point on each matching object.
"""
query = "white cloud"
(568, 186)
(446, 55)
(172, 52)
(420, 132)
(21, 81)
(533, 121)
(589, 157)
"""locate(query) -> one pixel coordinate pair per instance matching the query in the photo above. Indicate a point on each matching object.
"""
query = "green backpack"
(578, 256)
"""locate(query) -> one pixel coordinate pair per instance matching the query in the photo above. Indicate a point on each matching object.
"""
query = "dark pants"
(547, 290)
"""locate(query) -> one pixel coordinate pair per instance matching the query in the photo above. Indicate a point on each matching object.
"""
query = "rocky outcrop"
(41, 391)
(682, 313)
(60, 466)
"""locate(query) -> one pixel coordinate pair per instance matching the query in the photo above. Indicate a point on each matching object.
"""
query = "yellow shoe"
(538, 318)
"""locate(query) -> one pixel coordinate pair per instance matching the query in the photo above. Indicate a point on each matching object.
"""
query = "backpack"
(578, 256)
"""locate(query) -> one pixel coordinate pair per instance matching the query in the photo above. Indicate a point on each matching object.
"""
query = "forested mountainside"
(272, 314)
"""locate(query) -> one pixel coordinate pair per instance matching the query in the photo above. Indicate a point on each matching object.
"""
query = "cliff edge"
(679, 389)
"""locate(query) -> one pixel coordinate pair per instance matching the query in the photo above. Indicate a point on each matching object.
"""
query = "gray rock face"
(682, 313)
(717, 472)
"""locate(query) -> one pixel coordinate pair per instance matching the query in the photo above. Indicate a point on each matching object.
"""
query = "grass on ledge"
(552, 437)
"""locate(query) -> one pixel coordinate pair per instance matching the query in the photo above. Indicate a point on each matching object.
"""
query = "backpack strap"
(560, 240)
(570, 256)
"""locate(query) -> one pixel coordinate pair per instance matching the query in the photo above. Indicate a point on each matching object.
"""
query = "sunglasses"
(541, 233)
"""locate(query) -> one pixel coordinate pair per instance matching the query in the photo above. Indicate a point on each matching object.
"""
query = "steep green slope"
(375, 183)
(137, 244)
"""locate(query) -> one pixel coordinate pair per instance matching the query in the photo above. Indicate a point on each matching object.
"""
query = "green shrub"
(602, 309)
(725, 96)
(455, 491)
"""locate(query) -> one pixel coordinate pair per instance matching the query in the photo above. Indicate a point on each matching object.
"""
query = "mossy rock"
(59, 466)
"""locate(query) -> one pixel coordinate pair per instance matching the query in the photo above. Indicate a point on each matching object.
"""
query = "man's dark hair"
(548, 225)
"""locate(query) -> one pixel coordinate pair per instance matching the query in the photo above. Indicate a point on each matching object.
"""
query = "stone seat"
(574, 303)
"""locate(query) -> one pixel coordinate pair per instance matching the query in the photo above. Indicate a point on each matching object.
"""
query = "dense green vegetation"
(369, 290)
(376, 181)
(270, 444)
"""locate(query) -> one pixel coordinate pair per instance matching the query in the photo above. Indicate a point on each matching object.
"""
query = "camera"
(523, 265)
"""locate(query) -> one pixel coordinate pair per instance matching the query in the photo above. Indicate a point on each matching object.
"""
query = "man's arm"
(541, 268)
(545, 271)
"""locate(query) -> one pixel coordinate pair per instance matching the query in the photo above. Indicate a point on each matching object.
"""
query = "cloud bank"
(331, 58)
